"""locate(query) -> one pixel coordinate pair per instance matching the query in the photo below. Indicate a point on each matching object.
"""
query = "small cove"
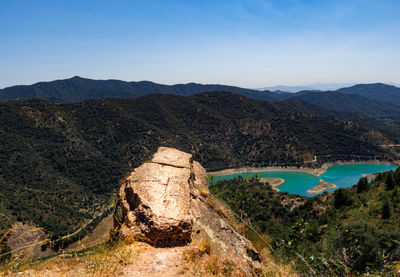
(343, 176)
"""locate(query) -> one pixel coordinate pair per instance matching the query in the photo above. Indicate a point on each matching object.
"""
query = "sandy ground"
(322, 185)
(156, 262)
(273, 182)
(138, 259)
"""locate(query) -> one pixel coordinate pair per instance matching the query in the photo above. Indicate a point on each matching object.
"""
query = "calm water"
(343, 176)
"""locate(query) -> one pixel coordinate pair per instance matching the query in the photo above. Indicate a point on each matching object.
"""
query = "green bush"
(386, 209)
(342, 198)
(361, 246)
(362, 185)
(389, 180)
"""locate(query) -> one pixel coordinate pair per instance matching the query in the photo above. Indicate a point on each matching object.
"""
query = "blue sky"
(246, 43)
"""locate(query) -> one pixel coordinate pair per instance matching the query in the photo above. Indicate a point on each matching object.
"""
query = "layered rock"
(163, 202)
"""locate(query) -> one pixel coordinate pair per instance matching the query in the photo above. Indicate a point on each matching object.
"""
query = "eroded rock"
(164, 202)
(155, 200)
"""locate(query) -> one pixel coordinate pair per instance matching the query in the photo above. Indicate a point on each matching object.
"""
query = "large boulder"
(165, 203)
(155, 200)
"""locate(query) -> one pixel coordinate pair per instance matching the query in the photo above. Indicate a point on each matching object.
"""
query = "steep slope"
(166, 204)
(60, 163)
(298, 105)
(378, 91)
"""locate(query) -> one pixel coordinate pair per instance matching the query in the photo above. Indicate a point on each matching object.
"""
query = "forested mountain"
(354, 103)
(60, 162)
(78, 89)
(378, 91)
(374, 100)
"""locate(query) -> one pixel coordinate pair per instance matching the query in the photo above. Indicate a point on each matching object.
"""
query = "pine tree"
(397, 176)
(342, 198)
(386, 210)
(362, 185)
(389, 180)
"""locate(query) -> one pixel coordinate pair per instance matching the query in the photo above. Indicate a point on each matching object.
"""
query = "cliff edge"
(164, 203)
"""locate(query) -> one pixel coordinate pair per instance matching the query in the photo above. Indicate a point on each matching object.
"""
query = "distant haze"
(242, 43)
(317, 86)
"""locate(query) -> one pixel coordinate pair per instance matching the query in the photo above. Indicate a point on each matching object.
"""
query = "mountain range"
(316, 86)
(374, 100)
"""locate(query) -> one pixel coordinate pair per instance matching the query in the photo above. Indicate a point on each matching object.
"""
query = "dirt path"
(100, 234)
(86, 224)
(144, 261)
(156, 262)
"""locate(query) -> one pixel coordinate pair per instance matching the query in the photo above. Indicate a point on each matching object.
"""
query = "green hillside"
(60, 163)
(378, 91)
(351, 103)
(348, 232)
(77, 89)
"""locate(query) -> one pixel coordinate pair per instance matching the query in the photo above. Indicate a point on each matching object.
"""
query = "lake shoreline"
(322, 186)
(317, 172)
(273, 182)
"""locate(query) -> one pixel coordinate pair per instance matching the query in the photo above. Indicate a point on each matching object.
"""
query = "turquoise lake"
(343, 176)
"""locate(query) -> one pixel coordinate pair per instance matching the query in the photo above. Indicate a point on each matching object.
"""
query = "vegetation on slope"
(347, 232)
(60, 163)
(353, 103)
(378, 91)
(80, 89)
(375, 100)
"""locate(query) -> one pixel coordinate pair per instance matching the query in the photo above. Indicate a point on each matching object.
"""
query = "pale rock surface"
(172, 157)
(163, 202)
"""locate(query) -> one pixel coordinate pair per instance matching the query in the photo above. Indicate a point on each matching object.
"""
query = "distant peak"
(371, 85)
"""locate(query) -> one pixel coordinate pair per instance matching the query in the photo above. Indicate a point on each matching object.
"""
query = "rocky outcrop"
(164, 202)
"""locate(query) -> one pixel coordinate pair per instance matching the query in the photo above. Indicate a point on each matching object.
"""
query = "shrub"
(397, 176)
(342, 198)
(362, 185)
(389, 181)
(361, 246)
(386, 209)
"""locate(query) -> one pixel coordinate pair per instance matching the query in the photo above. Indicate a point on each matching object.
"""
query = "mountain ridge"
(374, 100)
(376, 91)
(77, 89)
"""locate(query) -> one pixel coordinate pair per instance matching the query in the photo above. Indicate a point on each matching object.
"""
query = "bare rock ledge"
(160, 203)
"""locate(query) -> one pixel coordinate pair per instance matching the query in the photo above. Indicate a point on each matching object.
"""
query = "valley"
(200, 138)
(62, 163)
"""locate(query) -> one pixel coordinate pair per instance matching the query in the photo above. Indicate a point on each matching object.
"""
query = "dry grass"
(198, 249)
(261, 242)
(204, 192)
(110, 260)
(223, 210)
(99, 235)
(200, 262)
(25, 243)
(103, 260)
(273, 269)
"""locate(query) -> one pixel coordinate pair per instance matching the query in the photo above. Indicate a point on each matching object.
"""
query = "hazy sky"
(246, 43)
